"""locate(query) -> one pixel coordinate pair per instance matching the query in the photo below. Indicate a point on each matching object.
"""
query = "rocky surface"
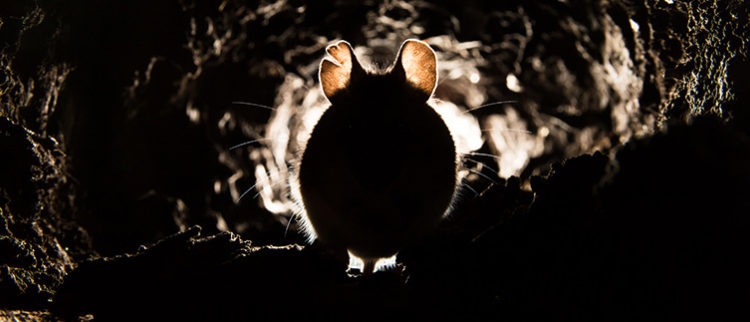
(115, 120)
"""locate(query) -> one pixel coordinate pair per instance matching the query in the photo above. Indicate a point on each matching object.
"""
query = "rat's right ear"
(417, 64)
(337, 71)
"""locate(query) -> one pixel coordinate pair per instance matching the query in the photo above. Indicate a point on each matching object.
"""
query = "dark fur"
(379, 169)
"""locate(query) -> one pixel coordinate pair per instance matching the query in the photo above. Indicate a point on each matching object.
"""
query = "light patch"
(266, 191)
(636, 27)
(217, 186)
(232, 183)
(221, 224)
(544, 131)
(620, 87)
(513, 84)
(463, 126)
(474, 78)
(225, 120)
(514, 144)
(272, 170)
(192, 113)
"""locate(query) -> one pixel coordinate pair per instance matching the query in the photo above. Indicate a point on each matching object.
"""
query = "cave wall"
(116, 118)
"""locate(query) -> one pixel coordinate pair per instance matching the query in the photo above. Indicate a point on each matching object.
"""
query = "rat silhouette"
(378, 172)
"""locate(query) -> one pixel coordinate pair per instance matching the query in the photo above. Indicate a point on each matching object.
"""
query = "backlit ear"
(337, 71)
(418, 64)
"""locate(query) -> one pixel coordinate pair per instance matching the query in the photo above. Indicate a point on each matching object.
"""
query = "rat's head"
(379, 170)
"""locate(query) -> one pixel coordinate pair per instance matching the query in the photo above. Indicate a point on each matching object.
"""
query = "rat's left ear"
(338, 71)
(417, 63)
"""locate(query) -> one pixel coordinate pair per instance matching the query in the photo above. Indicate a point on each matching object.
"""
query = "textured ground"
(116, 118)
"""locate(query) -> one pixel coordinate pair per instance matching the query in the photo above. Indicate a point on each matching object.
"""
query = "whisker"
(508, 130)
(246, 192)
(484, 165)
(467, 186)
(288, 223)
(254, 105)
(258, 193)
(479, 173)
(489, 155)
(246, 143)
(491, 104)
(271, 185)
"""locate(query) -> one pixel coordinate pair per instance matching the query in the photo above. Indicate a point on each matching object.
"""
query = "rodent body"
(379, 169)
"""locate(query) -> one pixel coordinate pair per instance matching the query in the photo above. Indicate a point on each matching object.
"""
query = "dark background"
(99, 155)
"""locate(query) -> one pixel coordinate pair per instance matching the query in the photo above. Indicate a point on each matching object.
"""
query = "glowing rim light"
(382, 264)
(464, 127)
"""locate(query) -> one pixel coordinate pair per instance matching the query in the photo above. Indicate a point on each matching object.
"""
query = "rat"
(379, 170)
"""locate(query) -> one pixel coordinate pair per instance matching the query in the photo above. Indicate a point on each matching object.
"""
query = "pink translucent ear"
(418, 63)
(337, 70)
